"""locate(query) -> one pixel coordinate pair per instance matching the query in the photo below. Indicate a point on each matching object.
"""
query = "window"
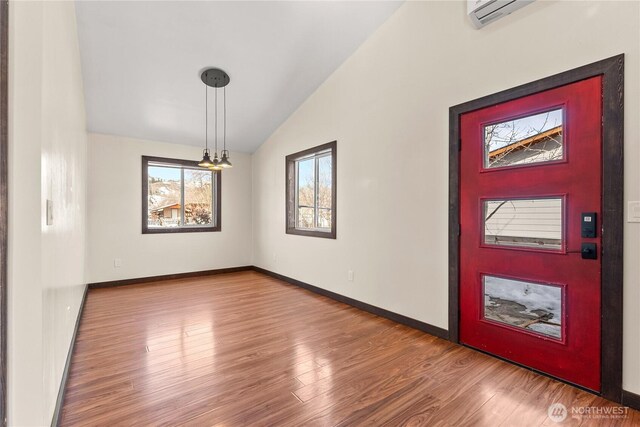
(311, 192)
(525, 223)
(534, 307)
(178, 196)
(533, 139)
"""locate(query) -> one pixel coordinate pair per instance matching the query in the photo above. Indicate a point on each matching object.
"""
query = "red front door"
(530, 186)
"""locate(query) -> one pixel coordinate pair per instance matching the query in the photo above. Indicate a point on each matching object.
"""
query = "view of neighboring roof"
(524, 143)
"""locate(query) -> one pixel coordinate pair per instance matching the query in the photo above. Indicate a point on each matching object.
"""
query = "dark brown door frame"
(4, 199)
(612, 71)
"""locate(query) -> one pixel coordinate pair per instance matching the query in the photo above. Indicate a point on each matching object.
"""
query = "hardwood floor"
(245, 349)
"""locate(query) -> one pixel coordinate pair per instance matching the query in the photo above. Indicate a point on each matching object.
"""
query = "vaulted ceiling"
(142, 62)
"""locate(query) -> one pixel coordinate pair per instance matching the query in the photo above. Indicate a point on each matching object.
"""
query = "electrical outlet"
(350, 275)
(117, 262)
(275, 257)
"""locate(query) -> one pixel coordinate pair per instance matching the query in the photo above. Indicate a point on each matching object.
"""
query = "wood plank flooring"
(244, 349)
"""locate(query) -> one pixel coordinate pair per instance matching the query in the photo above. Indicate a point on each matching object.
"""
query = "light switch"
(49, 212)
(633, 214)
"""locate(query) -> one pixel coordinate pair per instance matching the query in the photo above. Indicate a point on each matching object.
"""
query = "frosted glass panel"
(533, 139)
(531, 306)
(527, 223)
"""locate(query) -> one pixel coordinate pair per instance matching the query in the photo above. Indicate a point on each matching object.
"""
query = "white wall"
(390, 100)
(47, 158)
(387, 106)
(115, 215)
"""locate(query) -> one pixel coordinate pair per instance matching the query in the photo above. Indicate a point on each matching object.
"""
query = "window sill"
(172, 230)
(329, 234)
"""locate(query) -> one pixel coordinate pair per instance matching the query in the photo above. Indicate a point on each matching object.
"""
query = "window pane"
(305, 184)
(198, 197)
(324, 218)
(532, 223)
(164, 197)
(305, 218)
(324, 182)
(531, 306)
(531, 139)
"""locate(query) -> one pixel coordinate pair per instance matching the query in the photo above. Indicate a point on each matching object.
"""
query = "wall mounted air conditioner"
(483, 12)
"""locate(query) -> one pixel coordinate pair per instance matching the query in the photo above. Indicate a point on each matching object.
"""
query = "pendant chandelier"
(215, 78)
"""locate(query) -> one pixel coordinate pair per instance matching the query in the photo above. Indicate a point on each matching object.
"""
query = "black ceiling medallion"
(215, 77)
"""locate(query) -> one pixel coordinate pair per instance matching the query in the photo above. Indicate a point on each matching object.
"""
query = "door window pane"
(526, 223)
(532, 139)
(198, 197)
(530, 306)
(164, 196)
